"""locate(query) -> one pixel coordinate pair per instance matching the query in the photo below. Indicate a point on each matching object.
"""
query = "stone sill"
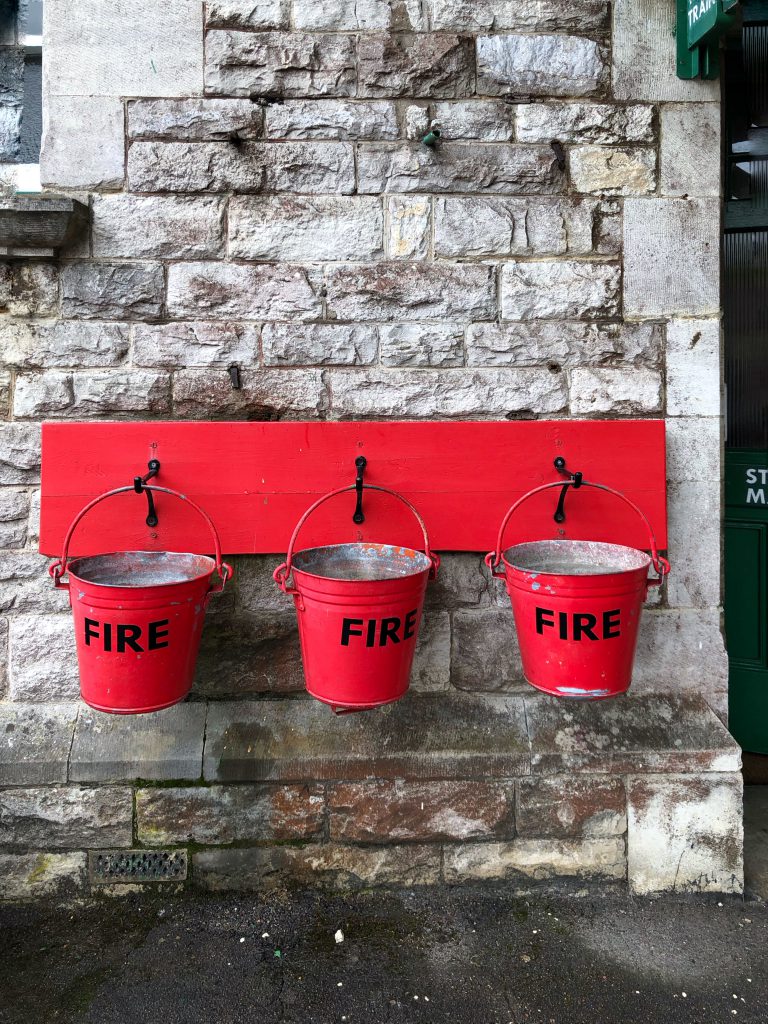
(34, 226)
(447, 736)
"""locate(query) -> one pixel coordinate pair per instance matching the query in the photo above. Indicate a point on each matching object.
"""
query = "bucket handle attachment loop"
(660, 564)
(282, 573)
(58, 569)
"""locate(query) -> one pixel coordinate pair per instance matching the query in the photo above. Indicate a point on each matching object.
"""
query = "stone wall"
(260, 196)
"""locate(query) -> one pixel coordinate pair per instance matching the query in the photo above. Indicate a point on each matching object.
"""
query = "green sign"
(702, 19)
(700, 24)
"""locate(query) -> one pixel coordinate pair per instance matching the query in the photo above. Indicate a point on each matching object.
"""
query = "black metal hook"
(361, 462)
(138, 485)
(574, 480)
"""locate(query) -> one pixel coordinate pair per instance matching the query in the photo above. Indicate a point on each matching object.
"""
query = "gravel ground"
(479, 955)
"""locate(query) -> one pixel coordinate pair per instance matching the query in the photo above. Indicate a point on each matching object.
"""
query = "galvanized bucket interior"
(141, 568)
(358, 562)
(575, 558)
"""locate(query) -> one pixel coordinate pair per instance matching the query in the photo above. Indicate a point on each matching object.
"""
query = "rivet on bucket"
(577, 607)
(138, 618)
(359, 607)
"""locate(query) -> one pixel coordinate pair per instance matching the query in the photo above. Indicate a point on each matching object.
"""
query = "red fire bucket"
(138, 618)
(359, 608)
(577, 607)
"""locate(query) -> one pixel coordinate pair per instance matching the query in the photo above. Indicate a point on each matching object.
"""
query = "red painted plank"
(255, 480)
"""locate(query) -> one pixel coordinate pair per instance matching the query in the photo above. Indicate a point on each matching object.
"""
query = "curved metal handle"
(59, 568)
(660, 564)
(283, 571)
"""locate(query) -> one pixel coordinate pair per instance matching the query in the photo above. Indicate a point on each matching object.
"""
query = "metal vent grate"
(107, 866)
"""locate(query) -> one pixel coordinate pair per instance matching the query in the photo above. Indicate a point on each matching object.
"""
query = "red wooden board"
(255, 480)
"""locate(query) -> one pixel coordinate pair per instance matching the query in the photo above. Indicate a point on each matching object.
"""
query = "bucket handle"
(660, 564)
(283, 571)
(59, 568)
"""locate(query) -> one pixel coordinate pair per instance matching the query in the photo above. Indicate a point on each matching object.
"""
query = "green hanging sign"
(700, 24)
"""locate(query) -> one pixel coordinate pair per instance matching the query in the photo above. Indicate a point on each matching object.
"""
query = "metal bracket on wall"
(574, 480)
(361, 462)
(138, 485)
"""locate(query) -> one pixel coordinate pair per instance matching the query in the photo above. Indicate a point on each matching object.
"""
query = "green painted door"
(746, 591)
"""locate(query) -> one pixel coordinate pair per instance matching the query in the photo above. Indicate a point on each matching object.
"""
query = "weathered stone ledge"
(446, 736)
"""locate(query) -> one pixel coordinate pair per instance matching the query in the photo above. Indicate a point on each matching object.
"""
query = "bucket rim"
(72, 570)
(625, 548)
(360, 544)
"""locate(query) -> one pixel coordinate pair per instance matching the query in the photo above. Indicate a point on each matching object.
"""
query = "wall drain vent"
(107, 867)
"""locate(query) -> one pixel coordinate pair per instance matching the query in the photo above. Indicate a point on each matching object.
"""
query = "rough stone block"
(422, 345)
(599, 123)
(14, 512)
(236, 290)
(693, 368)
(462, 581)
(541, 343)
(120, 748)
(409, 220)
(66, 817)
(111, 291)
(694, 544)
(306, 230)
(363, 15)
(19, 453)
(256, 653)
(485, 655)
(279, 63)
(562, 289)
(622, 392)
(226, 814)
(694, 448)
(34, 743)
(339, 119)
(25, 585)
(55, 393)
(484, 120)
(431, 65)
(470, 226)
(612, 171)
(194, 120)
(144, 226)
(308, 167)
(568, 806)
(263, 394)
(144, 49)
(520, 15)
(633, 734)
(480, 167)
(398, 811)
(429, 394)
(63, 343)
(431, 671)
(644, 55)
(27, 875)
(421, 737)
(178, 345)
(685, 834)
(318, 345)
(43, 666)
(29, 288)
(247, 14)
(540, 65)
(536, 860)
(83, 143)
(655, 281)
(387, 292)
(257, 591)
(3, 660)
(327, 866)
(690, 149)
(681, 650)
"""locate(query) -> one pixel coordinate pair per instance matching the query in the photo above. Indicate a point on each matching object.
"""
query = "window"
(21, 105)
